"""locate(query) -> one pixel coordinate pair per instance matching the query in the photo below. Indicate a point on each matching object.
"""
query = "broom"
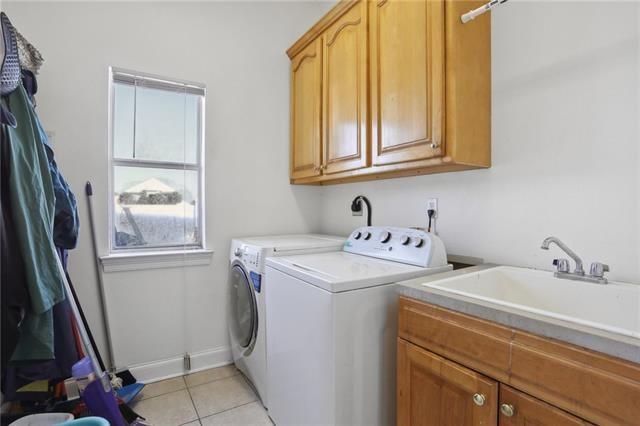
(125, 375)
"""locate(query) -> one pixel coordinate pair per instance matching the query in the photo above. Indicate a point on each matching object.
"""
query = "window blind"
(130, 78)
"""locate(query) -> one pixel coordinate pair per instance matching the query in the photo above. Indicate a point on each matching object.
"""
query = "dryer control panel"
(405, 245)
(251, 256)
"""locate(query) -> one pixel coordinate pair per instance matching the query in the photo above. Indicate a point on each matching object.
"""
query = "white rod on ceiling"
(479, 11)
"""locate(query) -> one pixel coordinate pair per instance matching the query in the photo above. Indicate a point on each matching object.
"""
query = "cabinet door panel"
(529, 411)
(345, 92)
(438, 392)
(407, 80)
(306, 110)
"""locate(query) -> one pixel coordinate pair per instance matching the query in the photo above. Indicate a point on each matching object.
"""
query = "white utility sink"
(612, 307)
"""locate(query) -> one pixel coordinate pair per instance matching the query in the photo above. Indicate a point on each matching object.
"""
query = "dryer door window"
(244, 314)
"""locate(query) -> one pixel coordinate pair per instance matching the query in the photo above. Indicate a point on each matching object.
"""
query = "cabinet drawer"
(475, 343)
(530, 411)
(594, 386)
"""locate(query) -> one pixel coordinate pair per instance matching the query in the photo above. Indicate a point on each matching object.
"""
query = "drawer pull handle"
(479, 399)
(507, 409)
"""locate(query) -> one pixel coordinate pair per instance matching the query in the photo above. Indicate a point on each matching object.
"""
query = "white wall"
(566, 160)
(565, 147)
(238, 50)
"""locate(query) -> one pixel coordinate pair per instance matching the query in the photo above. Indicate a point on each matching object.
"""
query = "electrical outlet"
(432, 204)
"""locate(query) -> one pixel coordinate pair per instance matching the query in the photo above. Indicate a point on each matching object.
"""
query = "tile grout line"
(163, 393)
(177, 391)
(243, 378)
(211, 381)
(188, 389)
(186, 386)
(228, 409)
(193, 404)
(157, 396)
(196, 420)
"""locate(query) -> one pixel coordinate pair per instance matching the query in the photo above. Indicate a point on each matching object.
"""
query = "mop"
(98, 395)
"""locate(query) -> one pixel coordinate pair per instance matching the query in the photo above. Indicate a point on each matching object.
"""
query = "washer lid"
(284, 243)
(342, 271)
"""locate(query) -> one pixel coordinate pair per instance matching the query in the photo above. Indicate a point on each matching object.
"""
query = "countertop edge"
(413, 289)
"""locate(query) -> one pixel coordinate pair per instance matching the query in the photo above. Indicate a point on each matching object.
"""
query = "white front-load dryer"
(246, 297)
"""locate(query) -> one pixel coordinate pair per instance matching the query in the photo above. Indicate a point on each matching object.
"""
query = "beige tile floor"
(215, 397)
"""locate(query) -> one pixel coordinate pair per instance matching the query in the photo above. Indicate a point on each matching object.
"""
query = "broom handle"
(84, 336)
(103, 299)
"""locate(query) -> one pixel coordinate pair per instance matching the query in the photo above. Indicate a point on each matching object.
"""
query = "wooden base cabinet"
(435, 392)
(455, 369)
(388, 88)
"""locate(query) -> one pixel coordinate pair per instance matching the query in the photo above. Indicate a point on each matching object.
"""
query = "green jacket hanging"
(33, 209)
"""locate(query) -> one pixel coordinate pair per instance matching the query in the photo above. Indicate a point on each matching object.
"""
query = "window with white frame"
(156, 170)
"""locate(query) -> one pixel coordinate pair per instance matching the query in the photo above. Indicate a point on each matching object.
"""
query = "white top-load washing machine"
(331, 346)
(246, 303)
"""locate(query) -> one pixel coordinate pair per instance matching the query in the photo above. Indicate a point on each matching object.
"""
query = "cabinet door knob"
(479, 399)
(507, 409)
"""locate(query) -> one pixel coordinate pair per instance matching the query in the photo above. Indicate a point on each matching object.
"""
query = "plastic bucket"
(87, 421)
(44, 419)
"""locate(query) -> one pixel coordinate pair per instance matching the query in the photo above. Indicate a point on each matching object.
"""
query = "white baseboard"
(174, 367)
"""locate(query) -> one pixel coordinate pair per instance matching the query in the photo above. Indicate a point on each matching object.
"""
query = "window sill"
(155, 260)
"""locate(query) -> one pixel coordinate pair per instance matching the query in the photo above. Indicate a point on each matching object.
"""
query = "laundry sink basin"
(612, 307)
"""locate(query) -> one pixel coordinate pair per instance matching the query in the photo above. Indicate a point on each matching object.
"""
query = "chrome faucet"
(596, 272)
(545, 246)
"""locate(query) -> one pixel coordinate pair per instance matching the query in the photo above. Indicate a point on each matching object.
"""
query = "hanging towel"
(33, 206)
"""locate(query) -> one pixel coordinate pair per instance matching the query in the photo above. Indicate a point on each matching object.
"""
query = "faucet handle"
(562, 265)
(598, 269)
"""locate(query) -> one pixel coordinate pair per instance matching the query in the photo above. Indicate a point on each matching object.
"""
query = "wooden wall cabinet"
(344, 86)
(306, 110)
(446, 359)
(404, 89)
(407, 80)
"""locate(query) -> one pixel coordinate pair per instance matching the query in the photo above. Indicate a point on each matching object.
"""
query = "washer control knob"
(405, 240)
(366, 235)
(385, 236)
(357, 235)
(418, 242)
(238, 252)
